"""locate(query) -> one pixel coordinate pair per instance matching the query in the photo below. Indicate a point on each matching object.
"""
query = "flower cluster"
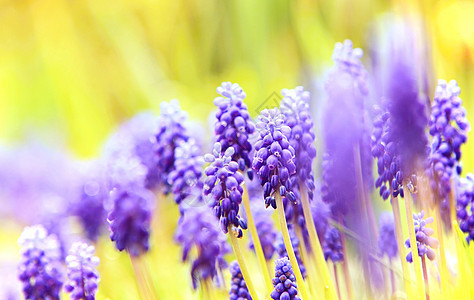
(185, 179)
(284, 282)
(465, 206)
(387, 242)
(295, 107)
(39, 266)
(129, 220)
(448, 127)
(171, 131)
(424, 240)
(83, 278)
(274, 157)
(234, 125)
(266, 231)
(295, 242)
(238, 288)
(223, 182)
(199, 229)
(332, 246)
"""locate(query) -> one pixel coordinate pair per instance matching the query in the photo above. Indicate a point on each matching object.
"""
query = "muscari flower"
(387, 242)
(199, 229)
(284, 282)
(39, 266)
(448, 128)
(83, 278)
(223, 182)
(332, 246)
(295, 242)
(130, 218)
(234, 125)
(265, 230)
(424, 240)
(238, 288)
(185, 179)
(274, 157)
(171, 131)
(465, 206)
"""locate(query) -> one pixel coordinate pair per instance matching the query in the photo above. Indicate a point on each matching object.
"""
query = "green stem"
(256, 241)
(442, 252)
(401, 248)
(345, 265)
(317, 252)
(289, 247)
(413, 243)
(425, 277)
(310, 268)
(242, 265)
(337, 281)
(143, 282)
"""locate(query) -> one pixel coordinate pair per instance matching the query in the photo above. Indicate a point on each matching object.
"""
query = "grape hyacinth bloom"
(295, 107)
(234, 125)
(280, 248)
(284, 282)
(171, 131)
(223, 182)
(332, 246)
(424, 240)
(465, 206)
(185, 179)
(39, 266)
(130, 220)
(266, 231)
(238, 288)
(83, 278)
(199, 228)
(387, 242)
(448, 127)
(274, 157)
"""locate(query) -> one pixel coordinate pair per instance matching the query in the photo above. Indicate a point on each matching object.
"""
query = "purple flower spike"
(171, 131)
(185, 179)
(284, 282)
(234, 125)
(295, 242)
(465, 206)
(295, 107)
(274, 158)
(387, 240)
(39, 267)
(332, 246)
(238, 288)
(129, 220)
(448, 127)
(223, 182)
(266, 231)
(424, 240)
(83, 277)
(199, 229)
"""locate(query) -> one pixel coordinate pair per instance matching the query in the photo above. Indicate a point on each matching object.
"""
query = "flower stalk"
(398, 232)
(345, 265)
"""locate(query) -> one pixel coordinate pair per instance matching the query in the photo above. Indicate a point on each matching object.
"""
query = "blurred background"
(71, 71)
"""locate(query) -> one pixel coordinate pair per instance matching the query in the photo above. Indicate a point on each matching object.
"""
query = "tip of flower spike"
(231, 93)
(345, 54)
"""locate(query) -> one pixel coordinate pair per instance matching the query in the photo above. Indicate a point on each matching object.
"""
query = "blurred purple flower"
(295, 242)
(332, 246)
(83, 278)
(238, 288)
(424, 240)
(387, 240)
(39, 268)
(284, 282)
(265, 229)
(465, 206)
(199, 229)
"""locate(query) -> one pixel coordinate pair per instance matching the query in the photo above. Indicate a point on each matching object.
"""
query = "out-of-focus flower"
(295, 242)
(39, 268)
(332, 246)
(265, 229)
(234, 125)
(448, 128)
(284, 282)
(238, 288)
(465, 206)
(223, 182)
(424, 240)
(199, 229)
(129, 219)
(171, 131)
(83, 278)
(274, 157)
(387, 240)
